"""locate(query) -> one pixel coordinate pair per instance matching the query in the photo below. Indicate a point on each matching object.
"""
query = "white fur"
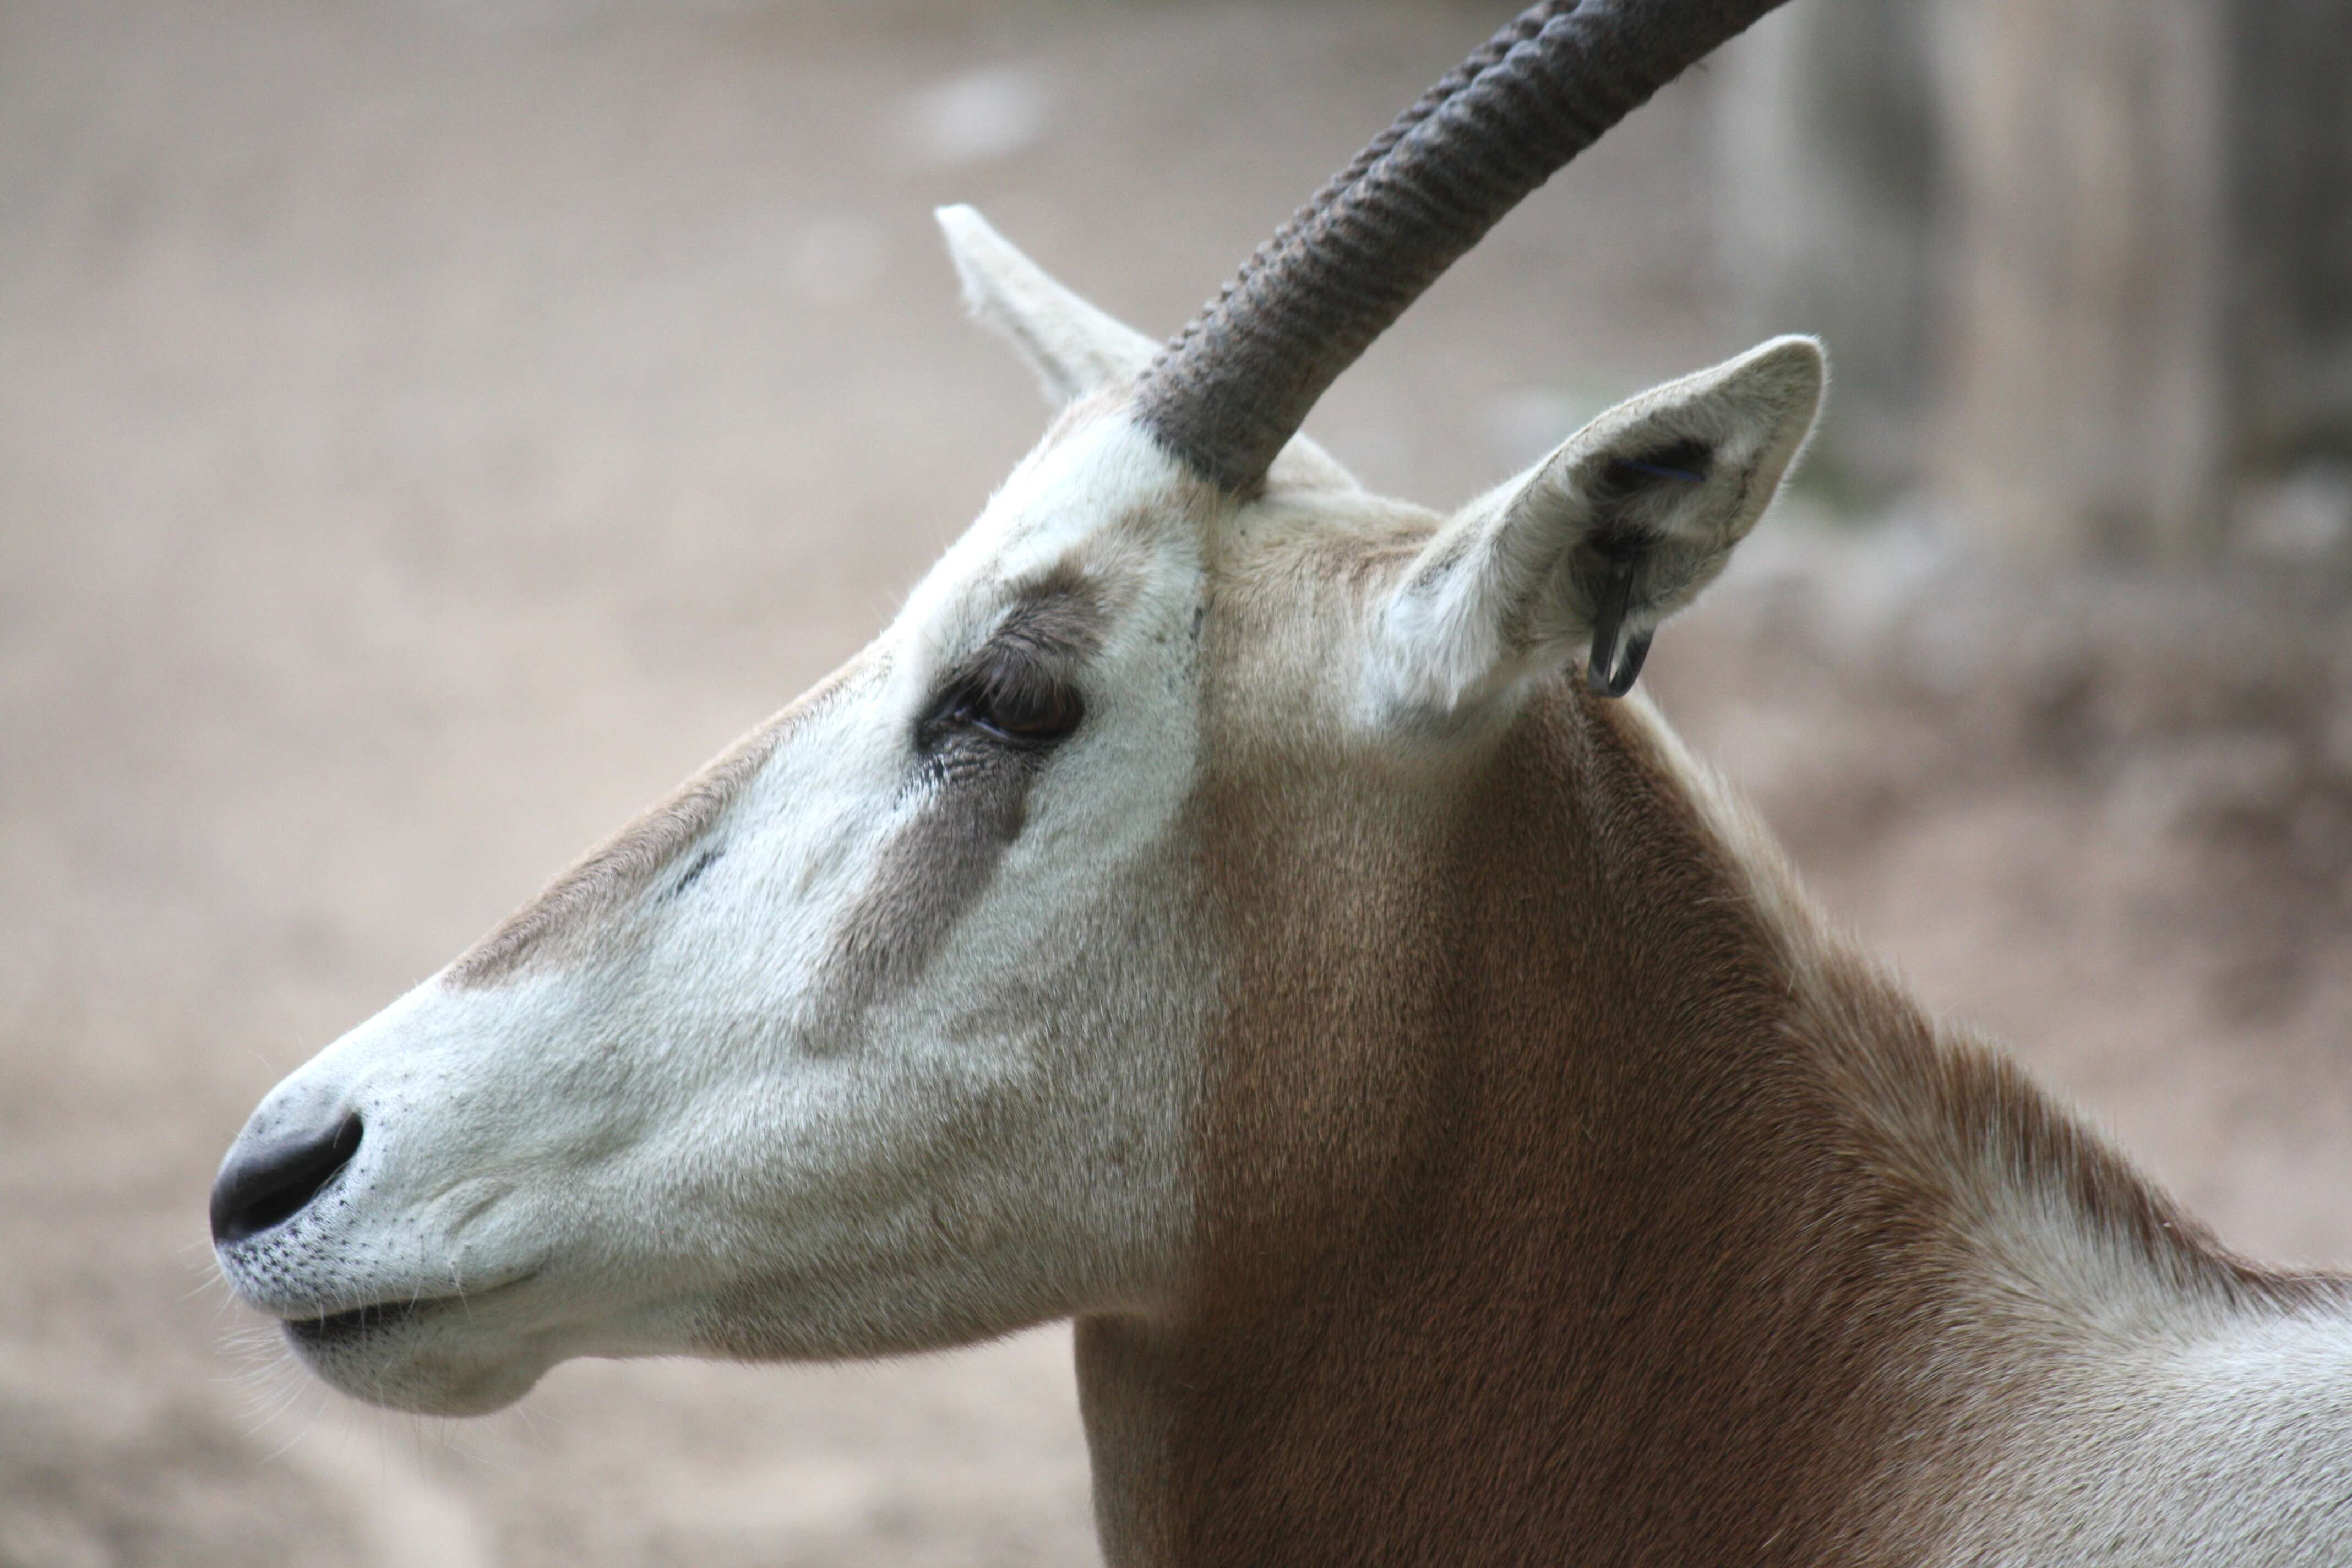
(2213, 1444)
(598, 1155)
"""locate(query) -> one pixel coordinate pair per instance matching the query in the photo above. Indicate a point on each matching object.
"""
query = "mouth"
(333, 1330)
(358, 1323)
(434, 1355)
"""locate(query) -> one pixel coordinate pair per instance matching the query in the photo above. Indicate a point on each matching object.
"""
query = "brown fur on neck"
(1564, 1201)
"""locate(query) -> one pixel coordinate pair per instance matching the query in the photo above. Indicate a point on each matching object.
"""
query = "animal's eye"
(1025, 706)
(1044, 710)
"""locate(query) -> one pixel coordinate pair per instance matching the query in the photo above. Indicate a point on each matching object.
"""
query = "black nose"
(272, 1181)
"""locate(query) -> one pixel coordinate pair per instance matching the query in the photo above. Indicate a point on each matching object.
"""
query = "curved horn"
(1231, 387)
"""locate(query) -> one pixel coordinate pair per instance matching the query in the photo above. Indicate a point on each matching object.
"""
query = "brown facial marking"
(561, 923)
(978, 787)
(926, 878)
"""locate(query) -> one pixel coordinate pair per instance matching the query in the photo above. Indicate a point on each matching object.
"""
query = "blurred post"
(2086, 264)
(1827, 165)
(2083, 415)
(2291, 301)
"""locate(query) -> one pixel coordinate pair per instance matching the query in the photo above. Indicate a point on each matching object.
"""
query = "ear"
(1598, 542)
(1072, 348)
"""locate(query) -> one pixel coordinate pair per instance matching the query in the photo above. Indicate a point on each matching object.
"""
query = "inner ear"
(1633, 496)
(1680, 462)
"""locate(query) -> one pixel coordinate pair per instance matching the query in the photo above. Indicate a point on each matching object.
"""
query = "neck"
(1569, 1186)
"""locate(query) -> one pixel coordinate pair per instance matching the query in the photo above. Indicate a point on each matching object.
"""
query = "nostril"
(270, 1185)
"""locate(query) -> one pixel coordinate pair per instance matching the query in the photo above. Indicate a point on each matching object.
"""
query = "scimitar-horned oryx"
(1208, 913)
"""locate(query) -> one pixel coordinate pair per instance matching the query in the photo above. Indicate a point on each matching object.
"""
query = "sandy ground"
(428, 430)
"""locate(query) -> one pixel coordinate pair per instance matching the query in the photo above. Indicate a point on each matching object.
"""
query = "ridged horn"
(1236, 383)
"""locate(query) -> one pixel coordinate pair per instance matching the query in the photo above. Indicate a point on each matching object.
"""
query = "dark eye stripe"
(938, 863)
(694, 873)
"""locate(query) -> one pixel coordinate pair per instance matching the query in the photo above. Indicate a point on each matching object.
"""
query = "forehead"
(1097, 503)
(1102, 505)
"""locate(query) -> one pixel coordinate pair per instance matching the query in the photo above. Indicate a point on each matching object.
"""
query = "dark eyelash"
(1012, 702)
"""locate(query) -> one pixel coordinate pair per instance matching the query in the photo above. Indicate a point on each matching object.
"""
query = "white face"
(873, 1039)
(887, 1032)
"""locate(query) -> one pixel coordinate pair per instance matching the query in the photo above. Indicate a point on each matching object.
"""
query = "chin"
(405, 1357)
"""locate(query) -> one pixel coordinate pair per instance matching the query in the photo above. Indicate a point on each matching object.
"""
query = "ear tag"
(1616, 658)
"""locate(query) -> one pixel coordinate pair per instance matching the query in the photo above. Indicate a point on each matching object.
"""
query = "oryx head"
(888, 1030)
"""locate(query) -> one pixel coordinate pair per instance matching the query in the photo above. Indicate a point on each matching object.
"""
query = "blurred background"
(428, 429)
